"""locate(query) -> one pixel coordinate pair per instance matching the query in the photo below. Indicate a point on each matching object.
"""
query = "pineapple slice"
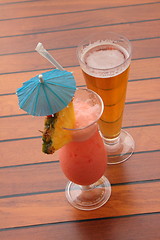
(54, 135)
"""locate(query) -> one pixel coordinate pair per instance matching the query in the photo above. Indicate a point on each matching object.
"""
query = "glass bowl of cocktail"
(83, 159)
(70, 127)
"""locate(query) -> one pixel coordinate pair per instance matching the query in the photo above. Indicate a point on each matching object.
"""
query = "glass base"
(88, 197)
(119, 149)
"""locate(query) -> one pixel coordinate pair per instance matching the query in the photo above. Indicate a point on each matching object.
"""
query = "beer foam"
(104, 59)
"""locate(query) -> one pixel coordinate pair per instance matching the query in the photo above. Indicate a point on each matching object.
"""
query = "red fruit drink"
(83, 160)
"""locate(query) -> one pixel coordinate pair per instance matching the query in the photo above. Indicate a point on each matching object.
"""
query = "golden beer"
(105, 66)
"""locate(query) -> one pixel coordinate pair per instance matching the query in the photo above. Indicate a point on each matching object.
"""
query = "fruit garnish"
(54, 135)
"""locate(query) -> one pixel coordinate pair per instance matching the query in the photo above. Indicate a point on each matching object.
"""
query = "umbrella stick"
(41, 78)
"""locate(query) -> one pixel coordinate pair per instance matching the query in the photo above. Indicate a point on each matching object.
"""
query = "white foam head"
(101, 61)
(105, 59)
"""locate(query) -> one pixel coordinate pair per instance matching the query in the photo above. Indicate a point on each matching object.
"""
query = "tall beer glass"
(105, 61)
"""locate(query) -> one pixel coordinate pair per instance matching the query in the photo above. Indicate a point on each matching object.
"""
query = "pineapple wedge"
(54, 135)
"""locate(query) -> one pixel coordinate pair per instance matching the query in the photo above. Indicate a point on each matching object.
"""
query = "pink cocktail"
(83, 160)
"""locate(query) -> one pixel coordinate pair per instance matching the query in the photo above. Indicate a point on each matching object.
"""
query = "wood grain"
(67, 57)
(135, 114)
(132, 227)
(54, 40)
(61, 22)
(32, 210)
(36, 8)
(149, 88)
(57, 40)
(140, 69)
(48, 176)
(25, 151)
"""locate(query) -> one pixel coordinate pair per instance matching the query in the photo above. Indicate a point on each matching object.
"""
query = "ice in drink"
(105, 66)
(83, 160)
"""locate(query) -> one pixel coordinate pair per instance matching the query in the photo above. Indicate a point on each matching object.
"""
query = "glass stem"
(87, 187)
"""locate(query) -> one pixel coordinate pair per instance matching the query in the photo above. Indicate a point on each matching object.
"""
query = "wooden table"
(32, 199)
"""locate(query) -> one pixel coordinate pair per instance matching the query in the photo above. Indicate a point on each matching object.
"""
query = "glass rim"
(97, 118)
(105, 69)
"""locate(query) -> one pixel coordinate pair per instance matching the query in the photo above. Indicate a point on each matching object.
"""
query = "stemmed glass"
(83, 160)
(105, 61)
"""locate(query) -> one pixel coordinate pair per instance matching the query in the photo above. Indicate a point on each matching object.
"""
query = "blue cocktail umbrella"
(47, 93)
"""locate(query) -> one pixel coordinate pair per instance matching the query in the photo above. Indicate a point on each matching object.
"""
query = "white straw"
(42, 51)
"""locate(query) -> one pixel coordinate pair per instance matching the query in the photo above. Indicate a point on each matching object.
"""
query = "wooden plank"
(54, 40)
(36, 8)
(8, 2)
(67, 57)
(149, 88)
(49, 176)
(48, 208)
(141, 49)
(137, 168)
(143, 136)
(144, 68)
(74, 20)
(140, 69)
(137, 227)
(140, 114)
(25, 151)
(135, 114)
(15, 127)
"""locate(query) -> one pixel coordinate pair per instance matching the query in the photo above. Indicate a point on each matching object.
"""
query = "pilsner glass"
(105, 61)
(83, 160)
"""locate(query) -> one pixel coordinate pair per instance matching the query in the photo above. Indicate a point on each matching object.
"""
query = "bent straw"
(42, 51)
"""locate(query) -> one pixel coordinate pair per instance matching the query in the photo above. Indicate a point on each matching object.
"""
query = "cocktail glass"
(105, 61)
(83, 160)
